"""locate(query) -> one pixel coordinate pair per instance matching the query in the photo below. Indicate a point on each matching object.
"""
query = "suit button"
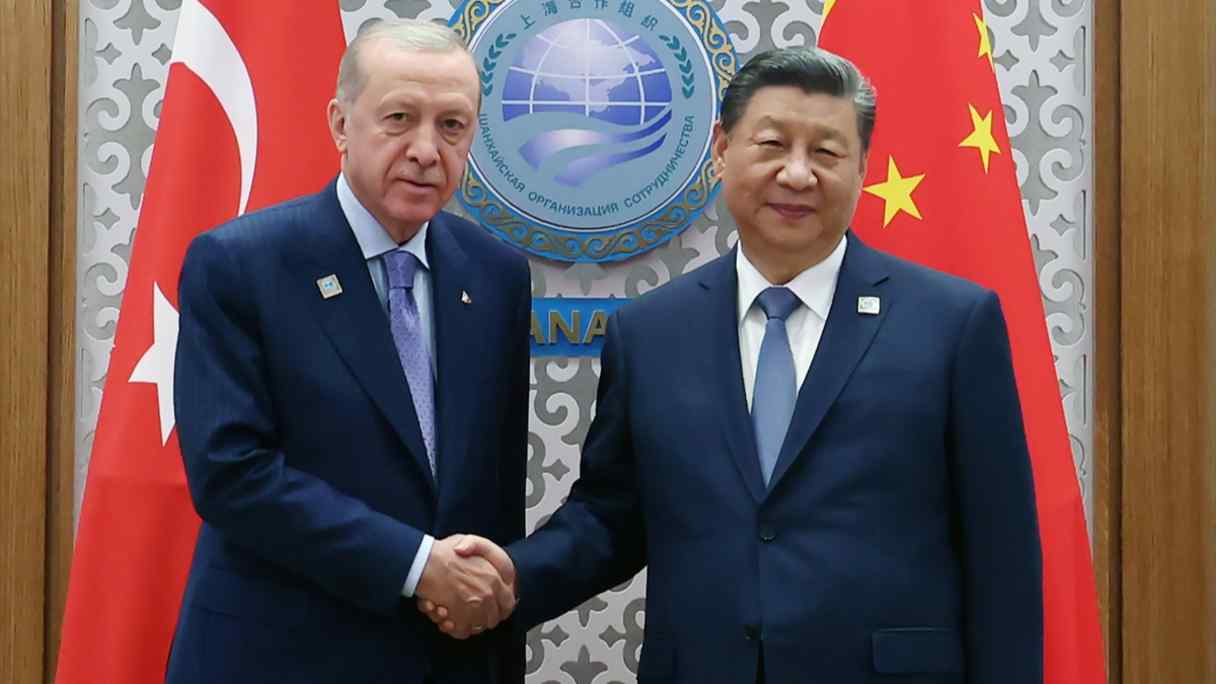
(767, 534)
(751, 632)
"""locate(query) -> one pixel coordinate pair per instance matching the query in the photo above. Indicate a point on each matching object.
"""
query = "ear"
(718, 147)
(337, 124)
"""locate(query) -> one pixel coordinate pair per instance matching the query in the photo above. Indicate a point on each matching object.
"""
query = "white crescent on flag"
(204, 47)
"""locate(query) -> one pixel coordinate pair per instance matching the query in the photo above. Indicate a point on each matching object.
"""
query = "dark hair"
(811, 69)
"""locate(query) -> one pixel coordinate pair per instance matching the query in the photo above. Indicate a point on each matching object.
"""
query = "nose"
(422, 150)
(797, 173)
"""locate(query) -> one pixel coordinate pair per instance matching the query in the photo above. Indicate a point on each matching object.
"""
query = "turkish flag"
(941, 189)
(243, 125)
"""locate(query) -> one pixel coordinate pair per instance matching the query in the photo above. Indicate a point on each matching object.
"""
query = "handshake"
(468, 585)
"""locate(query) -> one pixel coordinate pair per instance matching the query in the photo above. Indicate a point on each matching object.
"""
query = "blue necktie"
(409, 339)
(775, 389)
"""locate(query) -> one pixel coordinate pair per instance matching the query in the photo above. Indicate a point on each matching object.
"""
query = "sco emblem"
(596, 120)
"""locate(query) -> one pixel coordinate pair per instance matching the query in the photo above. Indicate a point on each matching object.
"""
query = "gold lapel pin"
(465, 298)
(870, 306)
(329, 286)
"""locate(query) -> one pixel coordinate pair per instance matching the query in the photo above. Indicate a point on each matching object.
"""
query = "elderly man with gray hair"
(351, 389)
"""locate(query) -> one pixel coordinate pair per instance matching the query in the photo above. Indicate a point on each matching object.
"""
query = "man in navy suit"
(816, 449)
(352, 384)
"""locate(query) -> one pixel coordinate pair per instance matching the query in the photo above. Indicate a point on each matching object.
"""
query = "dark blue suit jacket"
(897, 540)
(306, 462)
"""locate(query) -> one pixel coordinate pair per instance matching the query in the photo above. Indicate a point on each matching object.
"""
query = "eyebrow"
(445, 108)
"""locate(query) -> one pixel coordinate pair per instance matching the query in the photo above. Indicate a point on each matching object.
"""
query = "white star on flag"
(156, 365)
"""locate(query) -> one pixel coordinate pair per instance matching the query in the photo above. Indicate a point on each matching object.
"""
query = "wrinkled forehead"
(437, 73)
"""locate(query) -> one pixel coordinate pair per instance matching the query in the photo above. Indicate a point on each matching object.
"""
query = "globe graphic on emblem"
(609, 78)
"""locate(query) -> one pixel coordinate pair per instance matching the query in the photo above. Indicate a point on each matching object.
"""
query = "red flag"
(243, 125)
(941, 189)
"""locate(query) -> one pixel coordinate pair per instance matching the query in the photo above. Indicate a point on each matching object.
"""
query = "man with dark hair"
(815, 448)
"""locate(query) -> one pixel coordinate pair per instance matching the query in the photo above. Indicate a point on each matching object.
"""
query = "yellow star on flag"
(896, 191)
(827, 8)
(981, 137)
(985, 41)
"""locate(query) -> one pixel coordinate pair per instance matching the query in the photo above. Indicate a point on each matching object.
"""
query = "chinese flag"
(941, 189)
(243, 125)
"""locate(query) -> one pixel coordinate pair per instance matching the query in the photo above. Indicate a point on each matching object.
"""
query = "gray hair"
(814, 70)
(407, 34)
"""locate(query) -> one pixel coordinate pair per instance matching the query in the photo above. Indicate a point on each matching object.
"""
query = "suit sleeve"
(994, 490)
(596, 539)
(238, 476)
(514, 465)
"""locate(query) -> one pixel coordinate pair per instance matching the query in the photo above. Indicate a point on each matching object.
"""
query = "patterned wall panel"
(1044, 66)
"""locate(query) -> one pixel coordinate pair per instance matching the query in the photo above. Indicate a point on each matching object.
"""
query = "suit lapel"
(455, 305)
(355, 321)
(847, 335)
(720, 279)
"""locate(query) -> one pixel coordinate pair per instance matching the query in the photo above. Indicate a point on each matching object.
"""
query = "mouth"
(792, 211)
(419, 186)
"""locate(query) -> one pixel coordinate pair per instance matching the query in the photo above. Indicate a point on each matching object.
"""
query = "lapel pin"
(329, 286)
(465, 298)
(869, 306)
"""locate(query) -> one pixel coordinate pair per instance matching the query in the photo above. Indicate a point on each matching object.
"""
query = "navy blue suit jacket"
(306, 462)
(897, 540)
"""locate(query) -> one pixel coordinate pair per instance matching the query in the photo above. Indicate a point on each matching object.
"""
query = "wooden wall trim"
(1207, 239)
(25, 75)
(1168, 170)
(61, 333)
(1107, 356)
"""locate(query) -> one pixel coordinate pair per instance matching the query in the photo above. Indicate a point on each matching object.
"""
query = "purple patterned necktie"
(409, 338)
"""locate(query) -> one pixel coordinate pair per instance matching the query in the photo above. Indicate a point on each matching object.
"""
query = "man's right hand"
(476, 591)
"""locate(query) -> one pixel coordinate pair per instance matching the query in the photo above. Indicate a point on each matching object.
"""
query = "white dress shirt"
(815, 288)
(374, 241)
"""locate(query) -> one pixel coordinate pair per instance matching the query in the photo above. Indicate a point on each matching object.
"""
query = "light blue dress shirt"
(374, 242)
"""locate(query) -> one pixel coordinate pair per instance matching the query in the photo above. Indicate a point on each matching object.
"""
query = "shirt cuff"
(420, 559)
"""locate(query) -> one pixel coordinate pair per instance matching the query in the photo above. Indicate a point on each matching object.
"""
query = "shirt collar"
(814, 287)
(373, 239)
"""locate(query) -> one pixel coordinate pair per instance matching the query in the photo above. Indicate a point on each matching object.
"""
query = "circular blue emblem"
(596, 120)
